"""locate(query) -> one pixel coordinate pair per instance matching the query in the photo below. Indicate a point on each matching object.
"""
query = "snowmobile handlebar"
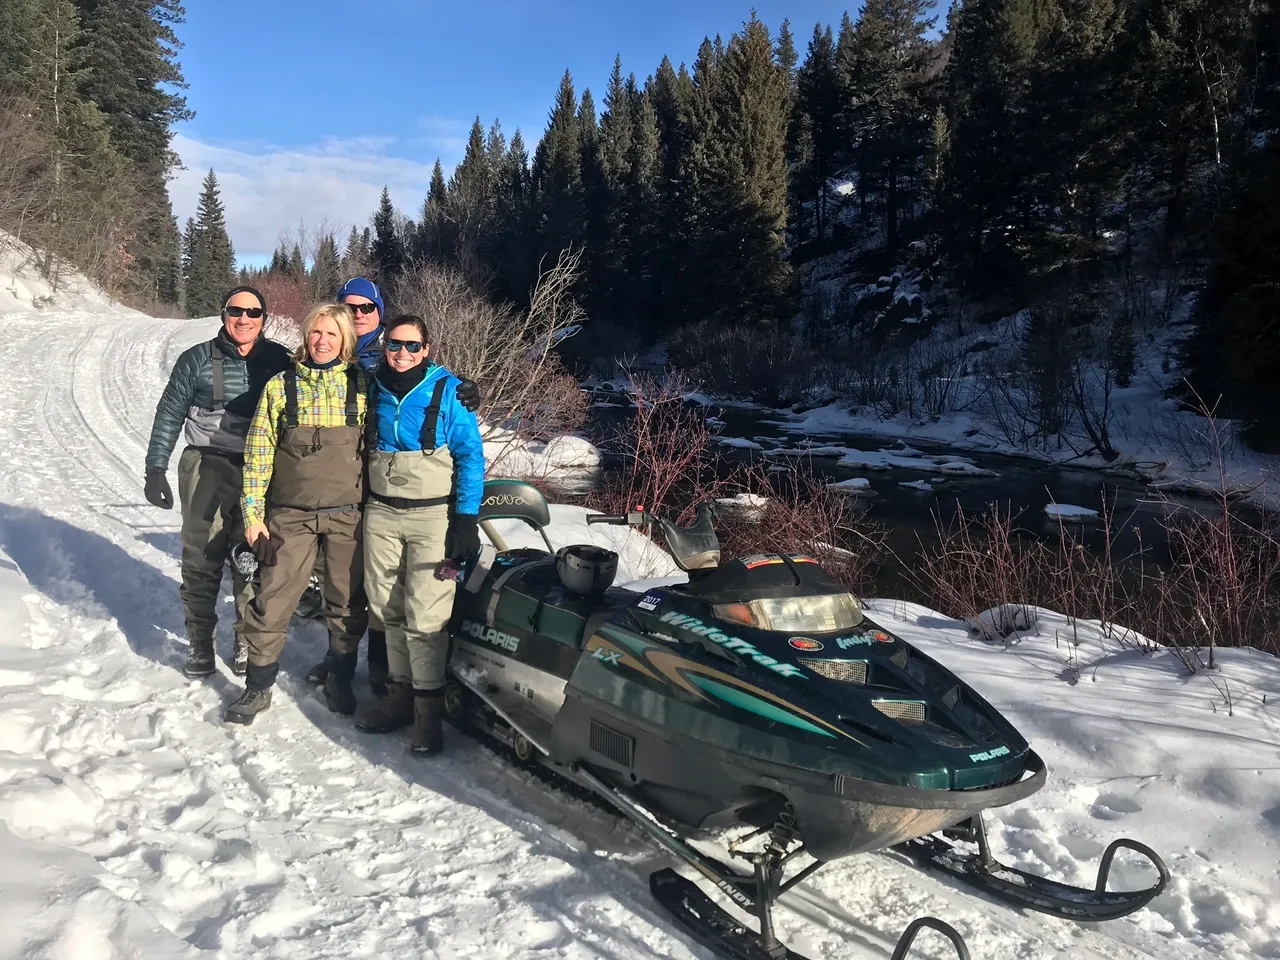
(634, 518)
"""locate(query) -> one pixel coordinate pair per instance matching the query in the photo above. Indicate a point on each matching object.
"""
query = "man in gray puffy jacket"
(210, 398)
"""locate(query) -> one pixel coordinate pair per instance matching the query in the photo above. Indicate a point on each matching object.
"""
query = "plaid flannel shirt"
(322, 402)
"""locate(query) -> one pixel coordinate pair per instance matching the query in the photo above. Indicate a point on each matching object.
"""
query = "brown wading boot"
(393, 711)
(428, 711)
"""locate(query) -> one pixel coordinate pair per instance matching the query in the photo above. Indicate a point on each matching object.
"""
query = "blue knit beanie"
(363, 287)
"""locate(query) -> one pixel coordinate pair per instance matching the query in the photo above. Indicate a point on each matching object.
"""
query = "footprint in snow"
(1112, 806)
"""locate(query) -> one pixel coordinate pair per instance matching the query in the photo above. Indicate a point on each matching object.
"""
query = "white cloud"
(268, 190)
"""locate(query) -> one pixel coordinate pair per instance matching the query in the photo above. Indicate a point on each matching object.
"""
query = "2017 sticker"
(651, 601)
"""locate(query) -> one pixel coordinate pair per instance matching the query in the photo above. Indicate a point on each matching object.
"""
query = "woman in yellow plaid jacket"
(302, 494)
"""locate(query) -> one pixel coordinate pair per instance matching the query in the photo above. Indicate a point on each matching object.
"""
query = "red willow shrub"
(1218, 589)
(671, 466)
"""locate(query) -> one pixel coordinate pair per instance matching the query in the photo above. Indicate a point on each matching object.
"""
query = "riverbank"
(1169, 449)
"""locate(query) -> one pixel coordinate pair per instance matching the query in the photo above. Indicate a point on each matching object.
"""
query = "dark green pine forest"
(89, 92)
(1109, 167)
(790, 213)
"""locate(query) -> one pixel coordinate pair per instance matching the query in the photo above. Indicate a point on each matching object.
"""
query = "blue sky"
(306, 109)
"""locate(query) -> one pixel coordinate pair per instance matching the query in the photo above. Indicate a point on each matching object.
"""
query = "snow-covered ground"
(134, 824)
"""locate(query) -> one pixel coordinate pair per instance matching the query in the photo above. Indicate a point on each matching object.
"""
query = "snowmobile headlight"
(824, 614)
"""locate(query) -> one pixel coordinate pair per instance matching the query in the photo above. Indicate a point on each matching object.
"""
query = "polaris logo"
(736, 644)
(503, 641)
(989, 754)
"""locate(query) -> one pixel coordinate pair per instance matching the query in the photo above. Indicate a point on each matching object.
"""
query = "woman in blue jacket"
(426, 477)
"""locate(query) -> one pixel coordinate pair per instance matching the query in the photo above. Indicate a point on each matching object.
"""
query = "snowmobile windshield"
(822, 614)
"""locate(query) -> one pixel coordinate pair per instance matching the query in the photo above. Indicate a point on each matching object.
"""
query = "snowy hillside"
(134, 824)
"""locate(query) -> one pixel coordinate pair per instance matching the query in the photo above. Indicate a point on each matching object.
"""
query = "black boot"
(317, 675)
(377, 657)
(248, 705)
(200, 662)
(428, 710)
(338, 695)
(393, 711)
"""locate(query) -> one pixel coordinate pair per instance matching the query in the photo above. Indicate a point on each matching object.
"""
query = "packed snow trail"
(300, 837)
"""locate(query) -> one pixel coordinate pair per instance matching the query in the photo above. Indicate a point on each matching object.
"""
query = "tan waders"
(406, 519)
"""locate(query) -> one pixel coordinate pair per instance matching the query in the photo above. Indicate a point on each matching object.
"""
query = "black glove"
(462, 539)
(468, 394)
(157, 489)
(265, 549)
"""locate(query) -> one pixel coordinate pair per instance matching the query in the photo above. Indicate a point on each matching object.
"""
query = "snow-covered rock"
(749, 506)
(1070, 512)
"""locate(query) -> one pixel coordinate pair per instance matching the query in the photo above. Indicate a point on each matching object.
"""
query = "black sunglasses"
(413, 346)
(253, 313)
(365, 308)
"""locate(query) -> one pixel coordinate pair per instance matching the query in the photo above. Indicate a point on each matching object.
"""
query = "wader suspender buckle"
(353, 396)
(431, 417)
(291, 397)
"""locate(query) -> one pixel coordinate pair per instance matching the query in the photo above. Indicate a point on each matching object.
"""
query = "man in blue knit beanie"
(365, 300)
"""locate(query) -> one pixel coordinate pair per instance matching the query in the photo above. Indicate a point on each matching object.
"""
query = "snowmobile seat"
(534, 600)
(693, 548)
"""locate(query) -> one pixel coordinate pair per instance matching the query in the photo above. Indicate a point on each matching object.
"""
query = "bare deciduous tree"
(528, 395)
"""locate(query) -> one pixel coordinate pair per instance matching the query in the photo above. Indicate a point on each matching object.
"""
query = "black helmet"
(586, 570)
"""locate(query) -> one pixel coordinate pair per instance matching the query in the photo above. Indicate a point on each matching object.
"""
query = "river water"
(911, 515)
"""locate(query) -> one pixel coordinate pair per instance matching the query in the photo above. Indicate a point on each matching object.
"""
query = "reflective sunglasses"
(364, 308)
(413, 346)
(253, 313)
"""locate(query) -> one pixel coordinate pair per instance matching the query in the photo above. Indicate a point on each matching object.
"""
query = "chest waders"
(410, 479)
(317, 485)
(318, 468)
(405, 526)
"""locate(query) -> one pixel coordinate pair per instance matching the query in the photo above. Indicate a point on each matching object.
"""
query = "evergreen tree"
(471, 199)
(787, 55)
(188, 255)
(986, 202)
(297, 268)
(608, 200)
(643, 219)
(740, 108)
(131, 73)
(517, 233)
(387, 254)
(90, 207)
(670, 94)
(1233, 357)
(212, 268)
(557, 175)
(357, 261)
(433, 243)
(887, 112)
(171, 284)
(818, 102)
(326, 273)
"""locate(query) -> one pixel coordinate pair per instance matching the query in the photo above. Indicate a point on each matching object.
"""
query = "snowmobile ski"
(715, 929)
(1021, 889)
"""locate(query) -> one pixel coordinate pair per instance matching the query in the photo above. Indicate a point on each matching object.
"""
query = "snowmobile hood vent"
(904, 711)
(842, 671)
